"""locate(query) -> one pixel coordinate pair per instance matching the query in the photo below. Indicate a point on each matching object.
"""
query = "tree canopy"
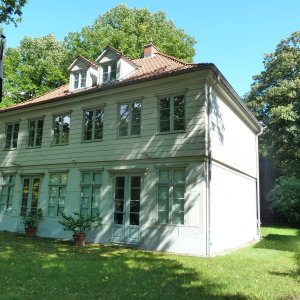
(275, 100)
(33, 68)
(11, 11)
(128, 30)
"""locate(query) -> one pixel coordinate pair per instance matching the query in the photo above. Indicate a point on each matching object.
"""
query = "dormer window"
(109, 71)
(79, 79)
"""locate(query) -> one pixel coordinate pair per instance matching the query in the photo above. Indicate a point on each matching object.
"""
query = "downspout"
(258, 186)
(208, 163)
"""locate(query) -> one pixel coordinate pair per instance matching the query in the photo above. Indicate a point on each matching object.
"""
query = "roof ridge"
(174, 58)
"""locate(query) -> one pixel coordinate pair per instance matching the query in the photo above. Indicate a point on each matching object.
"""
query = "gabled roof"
(80, 57)
(160, 65)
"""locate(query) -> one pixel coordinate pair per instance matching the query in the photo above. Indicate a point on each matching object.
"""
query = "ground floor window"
(6, 195)
(170, 195)
(58, 186)
(90, 193)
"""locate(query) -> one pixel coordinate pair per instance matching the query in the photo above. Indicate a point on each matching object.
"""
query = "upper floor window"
(171, 114)
(79, 79)
(90, 193)
(171, 190)
(109, 71)
(61, 128)
(35, 133)
(7, 190)
(93, 124)
(12, 132)
(57, 185)
(130, 118)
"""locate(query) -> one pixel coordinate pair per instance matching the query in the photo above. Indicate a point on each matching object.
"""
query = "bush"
(285, 200)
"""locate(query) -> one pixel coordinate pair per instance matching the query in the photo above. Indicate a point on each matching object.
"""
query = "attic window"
(79, 79)
(109, 71)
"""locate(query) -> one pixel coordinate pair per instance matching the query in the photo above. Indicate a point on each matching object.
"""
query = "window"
(12, 132)
(93, 124)
(130, 118)
(90, 193)
(35, 133)
(61, 129)
(7, 190)
(57, 185)
(79, 79)
(171, 189)
(171, 114)
(109, 71)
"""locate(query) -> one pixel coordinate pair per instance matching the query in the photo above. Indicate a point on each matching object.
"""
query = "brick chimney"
(149, 50)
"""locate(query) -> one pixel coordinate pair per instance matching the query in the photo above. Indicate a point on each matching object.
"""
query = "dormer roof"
(81, 58)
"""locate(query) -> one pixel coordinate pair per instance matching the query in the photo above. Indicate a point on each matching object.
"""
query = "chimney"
(149, 50)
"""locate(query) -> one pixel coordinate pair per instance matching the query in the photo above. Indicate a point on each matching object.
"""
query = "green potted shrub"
(31, 221)
(79, 225)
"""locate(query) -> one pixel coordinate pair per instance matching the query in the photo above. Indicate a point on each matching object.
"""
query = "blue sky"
(232, 34)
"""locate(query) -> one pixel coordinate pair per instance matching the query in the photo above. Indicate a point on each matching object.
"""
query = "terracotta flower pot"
(79, 239)
(30, 231)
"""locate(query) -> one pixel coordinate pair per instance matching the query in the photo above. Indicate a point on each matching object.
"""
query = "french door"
(30, 194)
(127, 198)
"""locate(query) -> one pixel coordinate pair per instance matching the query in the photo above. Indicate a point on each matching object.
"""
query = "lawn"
(50, 269)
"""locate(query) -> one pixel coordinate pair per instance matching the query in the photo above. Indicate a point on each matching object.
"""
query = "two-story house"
(164, 150)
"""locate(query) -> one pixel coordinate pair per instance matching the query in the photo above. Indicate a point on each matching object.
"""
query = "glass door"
(127, 197)
(30, 194)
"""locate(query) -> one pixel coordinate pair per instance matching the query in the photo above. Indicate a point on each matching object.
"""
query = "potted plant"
(79, 225)
(31, 221)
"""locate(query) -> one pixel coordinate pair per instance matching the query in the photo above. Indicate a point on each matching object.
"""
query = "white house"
(164, 150)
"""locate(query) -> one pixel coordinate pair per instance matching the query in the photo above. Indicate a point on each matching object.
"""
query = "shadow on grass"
(51, 269)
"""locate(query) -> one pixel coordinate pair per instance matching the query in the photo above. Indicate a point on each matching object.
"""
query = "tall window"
(171, 189)
(171, 114)
(109, 71)
(61, 128)
(35, 133)
(79, 79)
(93, 124)
(12, 132)
(130, 118)
(90, 193)
(7, 190)
(57, 185)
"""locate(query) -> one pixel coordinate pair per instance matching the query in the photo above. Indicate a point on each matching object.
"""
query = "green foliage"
(11, 11)
(285, 200)
(275, 100)
(78, 223)
(32, 219)
(128, 30)
(35, 67)
(52, 269)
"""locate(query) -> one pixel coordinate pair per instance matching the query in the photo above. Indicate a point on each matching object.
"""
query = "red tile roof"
(160, 65)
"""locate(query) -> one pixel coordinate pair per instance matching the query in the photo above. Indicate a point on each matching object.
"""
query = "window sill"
(54, 145)
(171, 132)
(33, 147)
(91, 141)
(10, 149)
(128, 137)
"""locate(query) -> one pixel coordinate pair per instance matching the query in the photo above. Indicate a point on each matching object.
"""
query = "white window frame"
(91, 185)
(59, 185)
(109, 66)
(9, 144)
(93, 124)
(60, 135)
(170, 185)
(6, 201)
(35, 134)
(81, 81)
(171, 112)
(130, 113)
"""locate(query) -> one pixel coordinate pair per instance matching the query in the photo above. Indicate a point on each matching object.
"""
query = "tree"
(275, 100)
(128, 30)
(33, 68)
(11, 11)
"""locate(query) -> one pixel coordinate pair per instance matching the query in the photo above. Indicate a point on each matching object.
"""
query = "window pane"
(178, 198)
(85, 202)
(98, 124)
(118, 218)
(119, 206)
(54, 179)
(31, 133)
(15, 135)
(63, 178)
(86, 178)
(164, 176)
(76, 80)
(178, 175)
(82, 79)
(163, 217)
(134, 219)
(134, 206)
(163, 198)
(136, 118)
(97, 178)
(66, 129)
(124, 119)
(88, 125)
(177, 218)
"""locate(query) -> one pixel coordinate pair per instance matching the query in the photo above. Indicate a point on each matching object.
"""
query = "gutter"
(208, 163)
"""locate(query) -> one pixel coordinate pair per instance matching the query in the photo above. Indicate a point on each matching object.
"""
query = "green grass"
(50, 269)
